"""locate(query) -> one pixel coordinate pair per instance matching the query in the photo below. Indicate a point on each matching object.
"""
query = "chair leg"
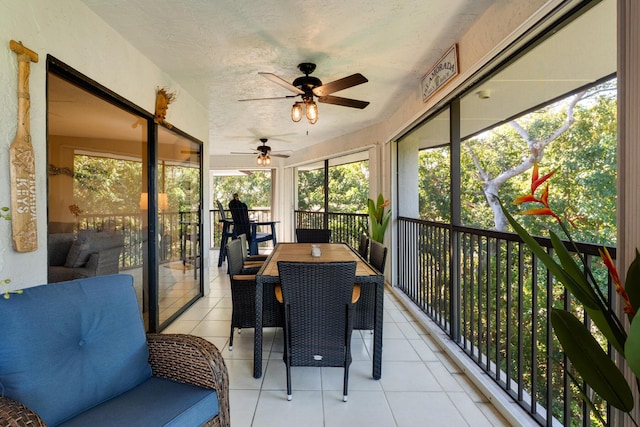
(287, 352)
(289, 395)
(345, 387)
(231, 339)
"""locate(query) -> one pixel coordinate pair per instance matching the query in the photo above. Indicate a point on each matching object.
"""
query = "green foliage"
(348, 188)
(585, 156)
(107, 186)
(254, 189)
(585, 353)
(5, 213)
(378, 219)
(588, 358)
(7, 293)
(434, 184)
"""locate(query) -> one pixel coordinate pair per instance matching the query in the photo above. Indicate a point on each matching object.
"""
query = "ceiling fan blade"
(284, 156)
(340, 84)
(285, 84)
(267, 99)
(245, 153)
(345, 102)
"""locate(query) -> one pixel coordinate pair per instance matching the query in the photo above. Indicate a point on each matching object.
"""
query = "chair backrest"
(313, 235)
(245, 246)
(363, 246)
(317, 304)
(378, 255)
(223, 214)
(240, 215)
(234, 257)
(92, 348)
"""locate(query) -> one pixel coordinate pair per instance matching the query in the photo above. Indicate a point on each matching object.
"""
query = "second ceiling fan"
(309, 86)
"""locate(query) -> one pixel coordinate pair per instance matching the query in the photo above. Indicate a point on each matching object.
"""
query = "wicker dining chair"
(318, 304)
(243, 295)
(378, 255)
(313, 235)
(364, 312)
(243, 291)
(251, 264)
(363, 246)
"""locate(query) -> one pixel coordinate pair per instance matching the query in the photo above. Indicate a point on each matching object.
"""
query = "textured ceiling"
(215, 49)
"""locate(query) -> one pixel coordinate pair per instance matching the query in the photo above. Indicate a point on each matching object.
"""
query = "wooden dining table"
(366, 275)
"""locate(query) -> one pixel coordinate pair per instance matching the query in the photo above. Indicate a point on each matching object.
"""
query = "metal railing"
(345, 227)
(493, 297)
(171, 226)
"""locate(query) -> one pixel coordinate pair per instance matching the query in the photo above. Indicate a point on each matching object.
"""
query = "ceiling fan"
(264, 153)
(309, 86)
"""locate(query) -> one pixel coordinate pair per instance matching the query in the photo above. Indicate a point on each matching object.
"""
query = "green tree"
(348, 188)
(580, 144)
(254, 189)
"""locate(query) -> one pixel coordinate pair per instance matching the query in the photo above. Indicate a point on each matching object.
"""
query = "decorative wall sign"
(444, 70)
(22, 163)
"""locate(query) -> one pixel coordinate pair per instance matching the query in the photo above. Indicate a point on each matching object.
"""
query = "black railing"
(171, 226)
(345, 227)
(493, 297)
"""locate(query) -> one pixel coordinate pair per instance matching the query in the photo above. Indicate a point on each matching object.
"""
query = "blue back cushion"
(69, 346)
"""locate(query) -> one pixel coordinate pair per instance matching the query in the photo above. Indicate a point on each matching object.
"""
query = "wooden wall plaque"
(22, 162)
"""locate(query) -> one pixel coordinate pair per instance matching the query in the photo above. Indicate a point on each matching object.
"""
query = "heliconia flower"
(526, 198)
(535, 183)
(608, 261)
(544, 199)
(541, 211)
(534, 177)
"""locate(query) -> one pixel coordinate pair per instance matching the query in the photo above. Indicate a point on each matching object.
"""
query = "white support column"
(628, 150)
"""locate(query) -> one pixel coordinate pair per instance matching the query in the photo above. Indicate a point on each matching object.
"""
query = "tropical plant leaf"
(585, 398)
(600, 315)
(632, 283)
(616, 337)
(569, 265)
(556, 269)
(632, 347)
(591, 362)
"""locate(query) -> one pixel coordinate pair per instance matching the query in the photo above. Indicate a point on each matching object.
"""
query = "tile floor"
(419, 385)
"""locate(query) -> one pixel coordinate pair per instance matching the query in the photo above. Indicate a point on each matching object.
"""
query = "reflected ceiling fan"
(264, 153)
(308, 86)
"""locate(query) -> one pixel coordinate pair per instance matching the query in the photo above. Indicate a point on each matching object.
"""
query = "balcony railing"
(493, 297)
(345, 227)
(171, 226)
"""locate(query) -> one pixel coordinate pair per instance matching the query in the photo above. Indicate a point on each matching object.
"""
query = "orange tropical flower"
(608, 261)
(536, 182)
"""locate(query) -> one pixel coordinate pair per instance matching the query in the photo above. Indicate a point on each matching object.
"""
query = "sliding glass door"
(124, 196)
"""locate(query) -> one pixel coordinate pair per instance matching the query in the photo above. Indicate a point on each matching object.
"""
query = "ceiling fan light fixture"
(259, 160)
(267, 160)
(312, 112)
(296, 112)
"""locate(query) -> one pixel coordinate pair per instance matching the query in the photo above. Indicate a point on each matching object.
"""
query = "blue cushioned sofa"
(76, 354)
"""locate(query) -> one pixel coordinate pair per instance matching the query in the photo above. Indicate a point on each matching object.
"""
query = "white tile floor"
(419, 385)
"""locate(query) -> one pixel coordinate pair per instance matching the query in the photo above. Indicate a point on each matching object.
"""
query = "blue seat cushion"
(66, 347)
(154, 403)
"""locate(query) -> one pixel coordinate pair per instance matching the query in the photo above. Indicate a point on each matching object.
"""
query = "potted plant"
(378, 218)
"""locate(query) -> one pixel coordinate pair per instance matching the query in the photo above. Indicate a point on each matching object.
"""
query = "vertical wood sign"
(22, 161)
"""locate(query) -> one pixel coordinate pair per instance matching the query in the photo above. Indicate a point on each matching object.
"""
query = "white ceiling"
(215, 49)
